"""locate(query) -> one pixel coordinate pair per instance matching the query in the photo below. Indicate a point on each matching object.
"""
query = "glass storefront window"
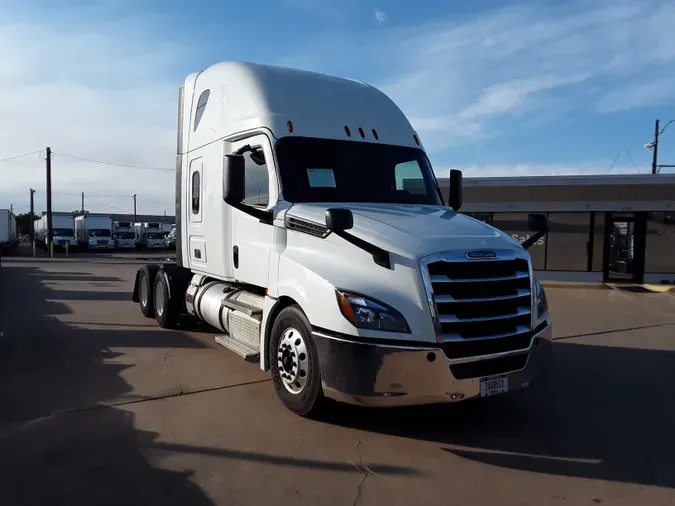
(660, 248)
(598, 241)
(515, 224)
(568, 244)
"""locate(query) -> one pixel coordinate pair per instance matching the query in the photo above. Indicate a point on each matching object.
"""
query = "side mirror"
(537, 222)
(233, 179)
(339, 220)
(455, 195)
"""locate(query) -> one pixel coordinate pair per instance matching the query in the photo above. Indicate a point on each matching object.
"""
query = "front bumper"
(392, 375)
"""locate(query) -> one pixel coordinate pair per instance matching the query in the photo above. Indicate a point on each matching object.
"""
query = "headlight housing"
(541, 304)
(366, 313)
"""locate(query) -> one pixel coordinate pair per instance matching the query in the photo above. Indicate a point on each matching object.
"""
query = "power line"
(20, 156)
(109, 205)
(140, 167)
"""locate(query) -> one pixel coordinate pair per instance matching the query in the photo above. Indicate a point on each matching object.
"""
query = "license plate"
(494, 385)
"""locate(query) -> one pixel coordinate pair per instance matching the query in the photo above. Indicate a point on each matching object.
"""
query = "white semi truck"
(63, 231)
(311, 231)
(9, 240)
(123, 235)
(149, 235)
(94, 232)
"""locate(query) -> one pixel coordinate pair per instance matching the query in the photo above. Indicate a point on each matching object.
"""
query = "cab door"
(253, 239)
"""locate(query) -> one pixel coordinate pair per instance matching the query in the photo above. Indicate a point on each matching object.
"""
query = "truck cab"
(153, 236)
(311, 232)
(123, 235)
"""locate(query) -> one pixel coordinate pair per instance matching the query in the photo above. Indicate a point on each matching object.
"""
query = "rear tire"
(145, 295)
(166, 310)
(295, 363)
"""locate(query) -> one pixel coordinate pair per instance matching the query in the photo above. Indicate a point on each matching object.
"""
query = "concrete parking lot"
(100, 406)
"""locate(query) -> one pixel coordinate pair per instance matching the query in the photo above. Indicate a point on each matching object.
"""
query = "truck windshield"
(324, 170)
(62, 232)
(99, 232)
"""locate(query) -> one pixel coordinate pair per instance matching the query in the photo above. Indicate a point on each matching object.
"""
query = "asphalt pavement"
(100, 406)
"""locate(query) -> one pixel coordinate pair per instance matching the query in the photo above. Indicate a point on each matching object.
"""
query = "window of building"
(257, 178)
(660, 247)
(515, 225)
(195, 192)
(484, 217)
(568, 244)
(598, 241)
(201, 105)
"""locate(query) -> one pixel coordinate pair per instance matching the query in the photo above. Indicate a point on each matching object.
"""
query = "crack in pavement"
(166, 364)
(126, 403)
(614, 331)
(362, 467)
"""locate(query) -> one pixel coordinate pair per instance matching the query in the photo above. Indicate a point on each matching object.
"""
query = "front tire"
(295, 363)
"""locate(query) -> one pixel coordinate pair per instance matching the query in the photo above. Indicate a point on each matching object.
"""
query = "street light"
(654, 145)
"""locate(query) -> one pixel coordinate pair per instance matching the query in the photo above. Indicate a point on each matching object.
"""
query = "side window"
(409, 178)
(257, 179)
(201, 105)
(195, 192)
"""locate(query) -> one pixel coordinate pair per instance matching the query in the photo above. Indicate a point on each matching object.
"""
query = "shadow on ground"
(92, 457)
(606, 413)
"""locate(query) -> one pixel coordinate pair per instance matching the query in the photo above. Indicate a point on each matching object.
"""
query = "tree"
(23, 223)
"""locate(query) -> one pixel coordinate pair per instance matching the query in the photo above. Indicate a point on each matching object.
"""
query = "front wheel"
(295, 363)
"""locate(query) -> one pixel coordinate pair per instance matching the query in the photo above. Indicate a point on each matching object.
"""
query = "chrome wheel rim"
(293, 361)
(144, 290)
(159, 300)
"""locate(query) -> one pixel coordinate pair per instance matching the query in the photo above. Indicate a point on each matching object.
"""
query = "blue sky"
(493, 87)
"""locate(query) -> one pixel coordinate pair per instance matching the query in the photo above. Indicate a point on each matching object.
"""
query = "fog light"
(456, 397)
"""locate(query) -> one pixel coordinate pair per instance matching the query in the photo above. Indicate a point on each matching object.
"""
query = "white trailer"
(94, 232)
(9, 241)
(124, 235)
(313, 235)
(63, 231)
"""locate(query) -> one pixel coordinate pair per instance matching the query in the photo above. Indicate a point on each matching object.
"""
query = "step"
(244, 350)
(252, 311)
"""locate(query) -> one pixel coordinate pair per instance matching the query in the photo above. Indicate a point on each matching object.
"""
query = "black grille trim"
(491, 367)
(306, 227)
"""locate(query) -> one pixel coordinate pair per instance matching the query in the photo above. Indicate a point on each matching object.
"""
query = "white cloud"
(656, 91)
(457, 78)
(100, 92)
(380, 16)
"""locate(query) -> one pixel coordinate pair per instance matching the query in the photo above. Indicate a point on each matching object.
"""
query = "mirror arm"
(380, 256)
(533, 239)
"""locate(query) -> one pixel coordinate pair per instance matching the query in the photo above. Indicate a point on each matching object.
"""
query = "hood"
(412, 230)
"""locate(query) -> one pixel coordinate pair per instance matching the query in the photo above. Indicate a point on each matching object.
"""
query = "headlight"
(365, 313)
(540, 299)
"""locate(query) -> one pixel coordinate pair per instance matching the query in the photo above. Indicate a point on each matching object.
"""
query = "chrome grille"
(480, 299)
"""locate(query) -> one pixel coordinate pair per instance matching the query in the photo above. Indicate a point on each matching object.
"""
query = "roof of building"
(569, 180)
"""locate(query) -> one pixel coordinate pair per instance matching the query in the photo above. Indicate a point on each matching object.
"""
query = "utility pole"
(11, 208)
(134, 208)
(83, 203)
(165, 216)
(655, 154)
(32, 216)
(48, 161)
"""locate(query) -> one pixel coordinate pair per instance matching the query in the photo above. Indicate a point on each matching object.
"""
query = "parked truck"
(9, 241)
(313, 235)
(149, 235)
(94, 232)
(123, 235)
(63, 231)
